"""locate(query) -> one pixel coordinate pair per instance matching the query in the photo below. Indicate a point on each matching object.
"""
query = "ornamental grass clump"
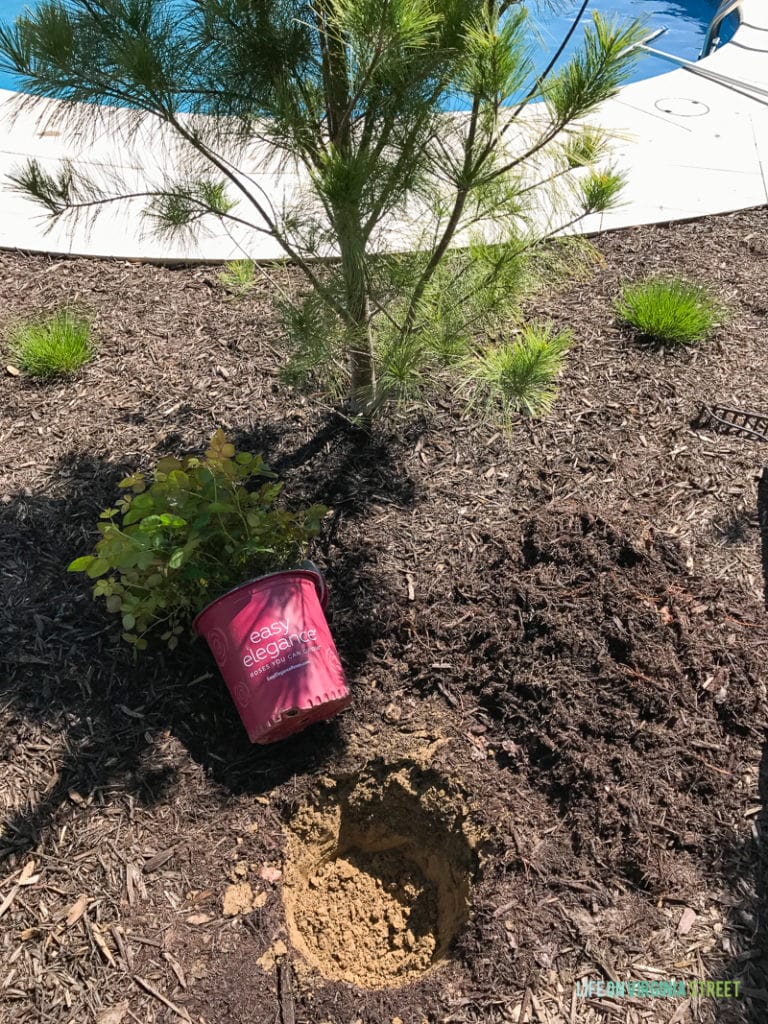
(520, 375)
(192, 531)
(58, 344)
(238, 277)
(669, 310)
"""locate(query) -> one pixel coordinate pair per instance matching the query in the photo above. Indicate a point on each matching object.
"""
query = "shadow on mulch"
(65, 666)
(762, 517)
(748, 863)
(735, 528)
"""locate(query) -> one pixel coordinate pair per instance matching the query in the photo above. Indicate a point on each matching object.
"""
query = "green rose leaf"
(127, 560)
(134, 515)
(145, 559)
(219, 447)
(176, 559)
(178, 479)
(98, 567)
(152, 522)
(175, 522)
(135, 481)
(81, 564)
(168, 465)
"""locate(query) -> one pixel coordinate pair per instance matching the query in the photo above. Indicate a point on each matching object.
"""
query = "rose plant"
(196, 529)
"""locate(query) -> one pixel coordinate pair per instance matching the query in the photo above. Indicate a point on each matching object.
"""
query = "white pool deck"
(689, 145)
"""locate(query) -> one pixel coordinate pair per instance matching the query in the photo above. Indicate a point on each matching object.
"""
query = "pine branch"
(290, 251)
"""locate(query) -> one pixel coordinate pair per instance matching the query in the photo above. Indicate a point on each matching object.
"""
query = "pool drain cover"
(377, 880)
(682, 107)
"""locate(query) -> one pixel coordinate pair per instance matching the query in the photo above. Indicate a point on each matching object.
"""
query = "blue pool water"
(686, 22)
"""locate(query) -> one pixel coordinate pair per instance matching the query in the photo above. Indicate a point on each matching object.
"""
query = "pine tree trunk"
(359, 334)
(347, 216)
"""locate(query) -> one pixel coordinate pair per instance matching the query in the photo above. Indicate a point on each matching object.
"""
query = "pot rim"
(312, 574)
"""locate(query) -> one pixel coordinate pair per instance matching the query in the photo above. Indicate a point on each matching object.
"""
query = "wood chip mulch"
(569, 618)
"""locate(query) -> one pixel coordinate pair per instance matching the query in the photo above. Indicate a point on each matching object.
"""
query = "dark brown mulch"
(564, 626)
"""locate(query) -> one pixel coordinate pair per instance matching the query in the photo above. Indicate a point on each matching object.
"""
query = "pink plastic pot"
(274, 649)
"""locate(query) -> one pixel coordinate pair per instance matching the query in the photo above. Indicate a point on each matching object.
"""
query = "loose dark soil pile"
(556, 640)
(596, 652)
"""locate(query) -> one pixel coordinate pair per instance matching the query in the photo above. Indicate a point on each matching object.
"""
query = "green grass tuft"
(58, 344)
(239, 276)
(669, 309)
(519, 375)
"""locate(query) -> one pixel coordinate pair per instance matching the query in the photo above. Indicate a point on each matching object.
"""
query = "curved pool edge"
(689, 146)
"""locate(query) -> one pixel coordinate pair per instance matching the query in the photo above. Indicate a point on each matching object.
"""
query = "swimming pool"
(686, 22)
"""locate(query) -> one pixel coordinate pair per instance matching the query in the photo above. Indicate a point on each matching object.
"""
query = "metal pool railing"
(712, 38)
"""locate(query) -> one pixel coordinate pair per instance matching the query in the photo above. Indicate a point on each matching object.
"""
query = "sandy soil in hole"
(377, 880)
(373, 916)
